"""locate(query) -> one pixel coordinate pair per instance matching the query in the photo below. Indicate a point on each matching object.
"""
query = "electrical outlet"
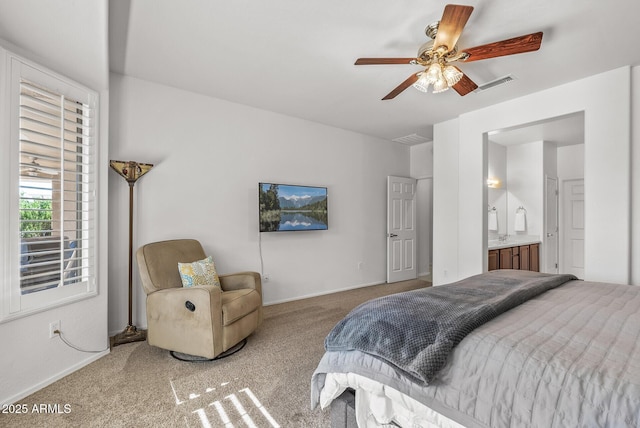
(266, 277)
(53, 326)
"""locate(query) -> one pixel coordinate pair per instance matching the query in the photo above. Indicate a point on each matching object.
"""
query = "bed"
(562, 354)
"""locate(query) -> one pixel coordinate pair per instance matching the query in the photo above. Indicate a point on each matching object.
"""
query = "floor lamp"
(130, 171)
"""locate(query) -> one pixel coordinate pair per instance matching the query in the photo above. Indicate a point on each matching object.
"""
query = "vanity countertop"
(495, 244)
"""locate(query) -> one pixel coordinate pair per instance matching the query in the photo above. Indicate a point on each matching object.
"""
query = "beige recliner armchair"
(203, 320)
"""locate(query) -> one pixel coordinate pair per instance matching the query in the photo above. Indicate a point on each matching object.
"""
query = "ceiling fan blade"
(379, 61)
(401, 87)
(465, 85)
(528, 43)
(454, 18)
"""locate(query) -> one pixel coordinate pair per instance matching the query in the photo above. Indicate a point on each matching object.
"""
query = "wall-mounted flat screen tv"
(285, 207)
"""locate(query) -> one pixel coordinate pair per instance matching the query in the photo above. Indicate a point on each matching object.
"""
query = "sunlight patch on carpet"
(241, 406)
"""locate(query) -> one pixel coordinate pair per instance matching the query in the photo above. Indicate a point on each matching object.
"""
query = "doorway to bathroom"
(526, 168)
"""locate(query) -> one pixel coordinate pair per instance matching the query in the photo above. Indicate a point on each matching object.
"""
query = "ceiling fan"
(438, 55)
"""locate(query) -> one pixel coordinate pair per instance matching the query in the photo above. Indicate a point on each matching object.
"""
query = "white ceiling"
(68, 36)
(296, 57)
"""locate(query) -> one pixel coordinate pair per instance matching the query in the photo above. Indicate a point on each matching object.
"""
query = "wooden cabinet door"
(506, 258)
(515, 258)
(534, 257)
(493, 260)
(525, 257)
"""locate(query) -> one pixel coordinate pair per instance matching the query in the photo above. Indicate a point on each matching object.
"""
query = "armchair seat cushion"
(238, 303)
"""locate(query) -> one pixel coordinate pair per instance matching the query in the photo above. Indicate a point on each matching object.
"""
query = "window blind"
(57, 189)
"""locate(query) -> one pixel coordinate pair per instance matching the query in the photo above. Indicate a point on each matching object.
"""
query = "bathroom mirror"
(497, 217)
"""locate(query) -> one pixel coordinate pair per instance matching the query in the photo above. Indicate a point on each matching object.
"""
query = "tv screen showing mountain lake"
(285, 207)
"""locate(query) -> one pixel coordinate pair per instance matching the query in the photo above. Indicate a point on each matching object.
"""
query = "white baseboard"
(322, 293)
(55, 378)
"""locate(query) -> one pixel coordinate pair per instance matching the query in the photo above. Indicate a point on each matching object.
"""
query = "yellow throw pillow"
(201, 272)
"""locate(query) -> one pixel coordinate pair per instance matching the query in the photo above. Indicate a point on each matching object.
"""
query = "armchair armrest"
(240, 280)
(175, 324)
(171, 302)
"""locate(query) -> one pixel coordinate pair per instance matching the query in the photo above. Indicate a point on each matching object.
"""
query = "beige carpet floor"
(266, 384)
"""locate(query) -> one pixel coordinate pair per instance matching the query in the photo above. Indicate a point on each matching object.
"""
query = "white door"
(573, 227)
(551, 226)
(401, 229)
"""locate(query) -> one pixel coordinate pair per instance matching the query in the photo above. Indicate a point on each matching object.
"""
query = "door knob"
(549, 234)
(392, 235)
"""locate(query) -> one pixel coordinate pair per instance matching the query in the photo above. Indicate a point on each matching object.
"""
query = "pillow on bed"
(201, 272)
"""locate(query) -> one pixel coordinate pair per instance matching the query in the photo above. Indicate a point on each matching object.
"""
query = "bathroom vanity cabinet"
(522, 257)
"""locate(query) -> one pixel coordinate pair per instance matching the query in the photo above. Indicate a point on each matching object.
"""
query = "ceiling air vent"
(411, 140)
(494, 83)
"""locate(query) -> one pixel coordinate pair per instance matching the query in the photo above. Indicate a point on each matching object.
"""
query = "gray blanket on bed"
(415, 331)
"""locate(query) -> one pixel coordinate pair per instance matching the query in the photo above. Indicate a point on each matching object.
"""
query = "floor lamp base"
(128, 335)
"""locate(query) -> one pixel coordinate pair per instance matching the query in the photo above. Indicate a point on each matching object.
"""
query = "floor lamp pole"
(131, 171)
(131, 253)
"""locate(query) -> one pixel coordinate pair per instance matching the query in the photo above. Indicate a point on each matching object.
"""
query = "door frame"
(547, 214)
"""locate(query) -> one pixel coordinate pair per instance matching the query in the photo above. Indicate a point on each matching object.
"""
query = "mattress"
(568, 357)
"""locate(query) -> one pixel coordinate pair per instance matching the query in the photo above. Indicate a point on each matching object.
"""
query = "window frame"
(14, 304)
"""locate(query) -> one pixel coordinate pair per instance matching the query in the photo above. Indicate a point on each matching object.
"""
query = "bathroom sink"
(498, 243)
(512, 241)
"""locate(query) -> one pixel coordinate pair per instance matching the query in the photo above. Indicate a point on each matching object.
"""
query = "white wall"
(525, 177)
(497, 196)
(39, 31)
(421, 162)
(421, 168)
(446, 176)
(550, 169)
(209, 156)
(570, 162)
(550, 159)
(606, 101)
(635, 176)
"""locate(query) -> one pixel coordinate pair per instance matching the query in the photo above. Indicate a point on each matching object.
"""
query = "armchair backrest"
(158, 262)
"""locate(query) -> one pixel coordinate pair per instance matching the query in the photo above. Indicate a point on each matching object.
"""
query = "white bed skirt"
(379, 405)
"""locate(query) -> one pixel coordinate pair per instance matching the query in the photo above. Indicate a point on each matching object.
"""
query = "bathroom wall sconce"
(494, 183)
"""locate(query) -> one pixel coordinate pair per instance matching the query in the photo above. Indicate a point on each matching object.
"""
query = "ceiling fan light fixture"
(422, 84)
(440, 86)
(440, 76)
(452, 75)
(434, 73)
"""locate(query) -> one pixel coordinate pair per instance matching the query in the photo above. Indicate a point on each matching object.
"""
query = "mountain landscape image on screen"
(285, 207)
